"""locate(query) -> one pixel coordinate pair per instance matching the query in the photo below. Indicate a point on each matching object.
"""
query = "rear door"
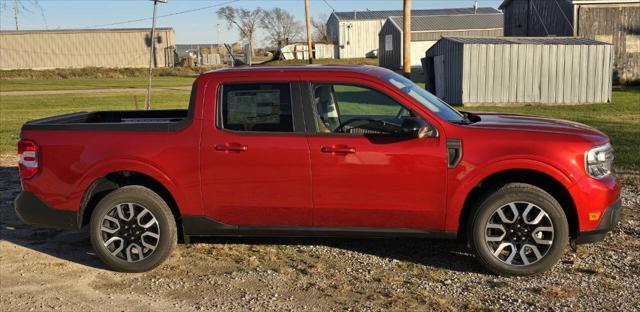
(254, 156)
(365, 172)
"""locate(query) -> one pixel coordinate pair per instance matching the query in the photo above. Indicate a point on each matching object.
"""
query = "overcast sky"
(192, 27)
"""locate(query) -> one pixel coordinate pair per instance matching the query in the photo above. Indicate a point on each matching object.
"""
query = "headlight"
(599, 160)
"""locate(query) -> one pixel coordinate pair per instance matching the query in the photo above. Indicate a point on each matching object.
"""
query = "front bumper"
(609, 220)
(32, 210)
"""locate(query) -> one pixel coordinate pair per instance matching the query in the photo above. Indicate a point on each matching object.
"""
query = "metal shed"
(483, 70)
(355, 33)
(41, 49)
(427, 30)
(613, 21)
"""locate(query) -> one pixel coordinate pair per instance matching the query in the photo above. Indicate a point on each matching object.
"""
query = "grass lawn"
(106, 78)
(93, 83)
(16, 110)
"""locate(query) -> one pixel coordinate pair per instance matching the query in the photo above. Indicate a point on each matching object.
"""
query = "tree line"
(280, 26)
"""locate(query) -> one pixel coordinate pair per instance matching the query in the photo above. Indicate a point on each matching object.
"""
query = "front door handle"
(338, 149)
(231, 147)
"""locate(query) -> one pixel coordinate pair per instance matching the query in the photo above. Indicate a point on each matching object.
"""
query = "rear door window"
(256, 107)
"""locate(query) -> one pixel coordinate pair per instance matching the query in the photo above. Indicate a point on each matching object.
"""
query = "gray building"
(483, 70)
(613, 21)
(355, 33)
(427, 30)
(76, 48)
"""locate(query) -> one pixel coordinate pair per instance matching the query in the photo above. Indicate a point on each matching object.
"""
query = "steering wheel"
(400, 112)
(357, 122)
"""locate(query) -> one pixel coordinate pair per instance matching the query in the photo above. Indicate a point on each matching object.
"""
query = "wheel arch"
(551, 181)
(107, 178)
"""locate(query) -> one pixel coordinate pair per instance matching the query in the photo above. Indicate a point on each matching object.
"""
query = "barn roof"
(376, 15)
(526, 40)
(452, 22)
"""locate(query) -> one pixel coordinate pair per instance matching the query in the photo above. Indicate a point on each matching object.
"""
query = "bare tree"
(20, 6)
(320, 29)
(280, 26)
(246, 21)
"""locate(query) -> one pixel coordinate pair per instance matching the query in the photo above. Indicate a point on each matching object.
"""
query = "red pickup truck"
(318, 151)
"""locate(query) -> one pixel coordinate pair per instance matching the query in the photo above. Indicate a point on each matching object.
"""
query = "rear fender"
(133, 165)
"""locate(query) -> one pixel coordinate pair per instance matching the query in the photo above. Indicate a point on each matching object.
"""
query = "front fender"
(462, 182)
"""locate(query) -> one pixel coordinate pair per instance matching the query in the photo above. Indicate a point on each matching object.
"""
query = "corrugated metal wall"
(357, 38)
(420, 43)
(436, 35)
(333, 29)
(525, 73)
(418, 48)
(538, 18)
(619, 25)
(390, 57)
(453, 70)
(74, 49)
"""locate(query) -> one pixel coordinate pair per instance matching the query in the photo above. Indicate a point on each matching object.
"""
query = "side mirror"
(417, 128)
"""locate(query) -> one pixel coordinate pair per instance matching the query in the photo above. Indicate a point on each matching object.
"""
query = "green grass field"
(16, 110)
(109, 78)
(92, 83)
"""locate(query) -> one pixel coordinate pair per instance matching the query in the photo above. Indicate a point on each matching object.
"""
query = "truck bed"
(133, 120)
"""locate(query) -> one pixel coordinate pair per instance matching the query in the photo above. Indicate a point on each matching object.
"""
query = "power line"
(329, 5)
(165, 15)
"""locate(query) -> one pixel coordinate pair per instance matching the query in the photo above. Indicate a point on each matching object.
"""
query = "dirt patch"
(57, 270)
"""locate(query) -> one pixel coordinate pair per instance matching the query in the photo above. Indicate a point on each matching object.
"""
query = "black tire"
(165, 225)
(521, 194)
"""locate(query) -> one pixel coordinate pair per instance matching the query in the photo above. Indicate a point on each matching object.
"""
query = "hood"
(537, 124)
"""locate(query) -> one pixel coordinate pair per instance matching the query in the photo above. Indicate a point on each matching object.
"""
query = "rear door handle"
(231, 147)
(338, 149)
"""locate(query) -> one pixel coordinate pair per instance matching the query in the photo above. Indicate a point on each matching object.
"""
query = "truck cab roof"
(303, 69)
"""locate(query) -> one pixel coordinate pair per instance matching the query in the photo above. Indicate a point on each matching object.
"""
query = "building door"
(438, 68)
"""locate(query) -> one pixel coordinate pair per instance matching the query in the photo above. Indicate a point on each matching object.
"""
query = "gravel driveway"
(57, 270)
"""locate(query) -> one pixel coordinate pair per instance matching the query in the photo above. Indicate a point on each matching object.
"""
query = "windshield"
(424, 97)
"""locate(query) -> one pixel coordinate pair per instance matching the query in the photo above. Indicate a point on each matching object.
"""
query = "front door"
(255, 158)
(366, 172)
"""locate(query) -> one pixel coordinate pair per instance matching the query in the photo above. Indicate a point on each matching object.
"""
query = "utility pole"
(406, 39)
(152, 55)
(309, 44)
(15, 14)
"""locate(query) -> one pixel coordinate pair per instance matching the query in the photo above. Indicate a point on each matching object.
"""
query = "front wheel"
(519, 230)
(132, 229)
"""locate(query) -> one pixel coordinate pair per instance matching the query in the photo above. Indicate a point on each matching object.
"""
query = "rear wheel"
(133, 229)
(519, 230)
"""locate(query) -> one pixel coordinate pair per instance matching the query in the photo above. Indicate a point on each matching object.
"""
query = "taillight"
(28, 162)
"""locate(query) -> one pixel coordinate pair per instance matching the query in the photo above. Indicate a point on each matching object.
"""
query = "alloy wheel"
(519, 233)
(130, 232)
